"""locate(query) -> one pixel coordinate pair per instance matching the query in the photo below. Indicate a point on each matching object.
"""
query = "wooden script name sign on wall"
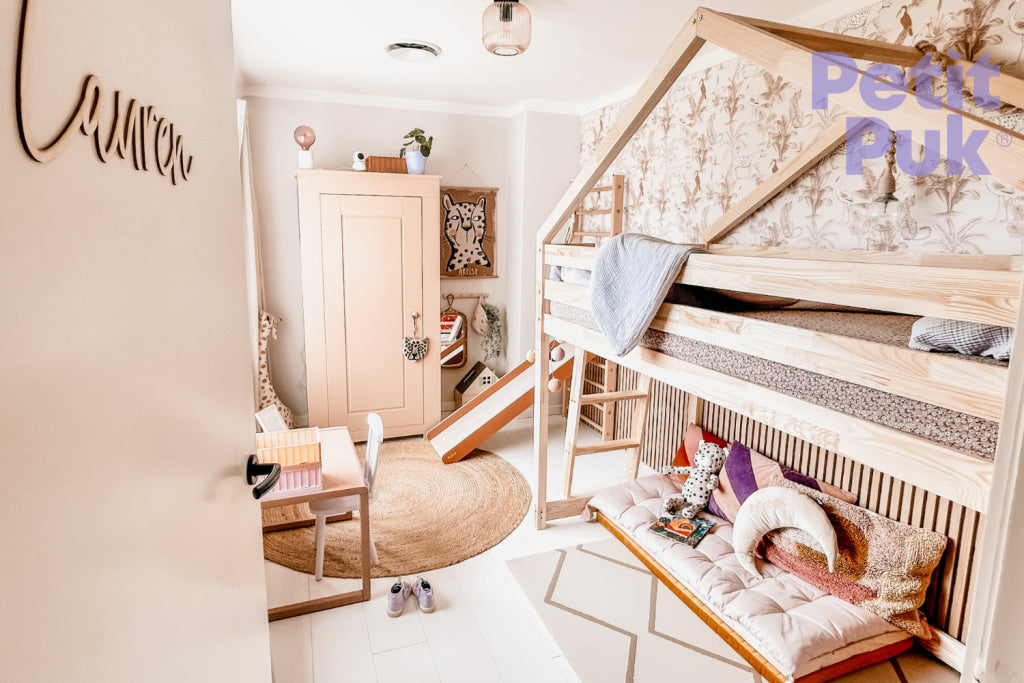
(128, 128)
(467, 235)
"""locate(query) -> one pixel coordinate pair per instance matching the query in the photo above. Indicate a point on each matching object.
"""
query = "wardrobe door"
(373, 285)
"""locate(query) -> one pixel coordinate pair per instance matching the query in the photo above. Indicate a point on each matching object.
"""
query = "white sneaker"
(424, 594)
(396, 597)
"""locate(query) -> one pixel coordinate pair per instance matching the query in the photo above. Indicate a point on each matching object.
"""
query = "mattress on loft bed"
(960, 431)
(797, 627)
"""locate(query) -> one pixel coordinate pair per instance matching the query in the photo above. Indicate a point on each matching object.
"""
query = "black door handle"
(254, 469)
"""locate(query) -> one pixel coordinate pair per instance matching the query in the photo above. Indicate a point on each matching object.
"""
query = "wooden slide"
(465, 429)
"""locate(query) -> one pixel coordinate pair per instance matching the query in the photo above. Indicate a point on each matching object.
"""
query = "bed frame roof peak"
(787, 51)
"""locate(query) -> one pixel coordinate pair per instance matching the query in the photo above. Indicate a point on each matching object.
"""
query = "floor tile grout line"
(433, 662)
(392, 649)
(312, 657)
(369, 644)
(476, 622)
(524, 607)
(523, 603)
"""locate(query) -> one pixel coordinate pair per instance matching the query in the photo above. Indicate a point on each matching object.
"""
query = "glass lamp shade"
(506, 28)
(305, 137)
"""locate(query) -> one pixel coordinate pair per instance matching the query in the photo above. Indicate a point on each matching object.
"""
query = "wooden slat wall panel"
(666, 420)
(593, 382)
(948, 600)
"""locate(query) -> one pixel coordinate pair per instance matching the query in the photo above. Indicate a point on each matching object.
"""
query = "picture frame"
(468, 232)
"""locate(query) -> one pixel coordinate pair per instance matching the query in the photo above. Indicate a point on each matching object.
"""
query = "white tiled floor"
(483, 629)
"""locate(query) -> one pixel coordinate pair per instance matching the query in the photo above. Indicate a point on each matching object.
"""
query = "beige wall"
(469, 150)
(130, 546)
(543, 172)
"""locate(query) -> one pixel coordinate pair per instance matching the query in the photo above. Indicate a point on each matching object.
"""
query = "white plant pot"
(415, 162)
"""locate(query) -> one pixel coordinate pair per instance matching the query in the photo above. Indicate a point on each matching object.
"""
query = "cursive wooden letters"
(133, 128)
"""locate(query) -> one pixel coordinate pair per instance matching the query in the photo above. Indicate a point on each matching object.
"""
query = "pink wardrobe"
(370, 247)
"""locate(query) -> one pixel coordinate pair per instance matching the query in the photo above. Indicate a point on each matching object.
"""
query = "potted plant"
(416, 149)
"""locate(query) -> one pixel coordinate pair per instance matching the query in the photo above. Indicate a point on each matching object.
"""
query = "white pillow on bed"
(777, 507)
(972, 339)
(570, 276)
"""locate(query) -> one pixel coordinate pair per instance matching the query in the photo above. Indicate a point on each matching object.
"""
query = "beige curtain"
(262, 325)
(253, 260)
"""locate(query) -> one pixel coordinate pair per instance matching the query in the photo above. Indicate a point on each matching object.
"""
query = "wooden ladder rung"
(594, 212)
(605, 446)
(602, 188)
(612, 396)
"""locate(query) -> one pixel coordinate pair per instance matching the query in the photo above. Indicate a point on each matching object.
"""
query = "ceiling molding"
(364, 100)
(441, 106)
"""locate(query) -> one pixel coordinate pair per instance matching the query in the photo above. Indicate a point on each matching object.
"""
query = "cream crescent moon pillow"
(776, 507)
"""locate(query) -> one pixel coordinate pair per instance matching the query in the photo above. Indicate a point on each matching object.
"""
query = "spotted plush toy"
(702, 479)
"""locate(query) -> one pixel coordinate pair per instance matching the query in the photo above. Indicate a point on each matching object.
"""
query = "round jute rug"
(427, 514)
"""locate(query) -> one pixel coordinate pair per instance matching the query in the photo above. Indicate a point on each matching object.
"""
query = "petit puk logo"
(880, 88)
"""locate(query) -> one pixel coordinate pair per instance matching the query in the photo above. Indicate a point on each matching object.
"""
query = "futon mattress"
(794, 625)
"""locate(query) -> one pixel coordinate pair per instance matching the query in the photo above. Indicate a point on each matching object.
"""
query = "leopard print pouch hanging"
(414, 348)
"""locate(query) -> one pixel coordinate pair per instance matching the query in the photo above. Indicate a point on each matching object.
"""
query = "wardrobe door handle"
(254, 469)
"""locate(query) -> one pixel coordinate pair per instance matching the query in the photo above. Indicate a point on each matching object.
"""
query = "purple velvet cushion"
(745, 471)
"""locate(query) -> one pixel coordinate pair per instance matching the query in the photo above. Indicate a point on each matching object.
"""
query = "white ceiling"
(584, 53)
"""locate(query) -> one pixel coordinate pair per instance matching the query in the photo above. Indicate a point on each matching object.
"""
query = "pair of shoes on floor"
(401, 590)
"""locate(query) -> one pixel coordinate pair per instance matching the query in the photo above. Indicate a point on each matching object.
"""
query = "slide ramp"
(456, 436)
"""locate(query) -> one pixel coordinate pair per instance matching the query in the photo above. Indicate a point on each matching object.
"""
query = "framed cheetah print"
(468, 232)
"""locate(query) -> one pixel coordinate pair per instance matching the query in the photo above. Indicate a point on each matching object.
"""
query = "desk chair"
(323, 509)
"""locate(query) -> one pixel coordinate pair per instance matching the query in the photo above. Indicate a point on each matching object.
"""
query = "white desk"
(342, 476)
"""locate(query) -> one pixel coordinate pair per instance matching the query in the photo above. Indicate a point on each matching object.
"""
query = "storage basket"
(298, 453)
(293, 447)
(386, 165)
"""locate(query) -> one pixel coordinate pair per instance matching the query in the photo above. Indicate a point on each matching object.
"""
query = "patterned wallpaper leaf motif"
(721, 131)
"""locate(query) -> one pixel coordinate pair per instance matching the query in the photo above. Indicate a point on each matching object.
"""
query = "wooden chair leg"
(373, 550)
(321, 524)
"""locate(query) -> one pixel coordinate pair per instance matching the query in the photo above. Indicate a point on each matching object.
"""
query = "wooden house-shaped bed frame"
(984, 289)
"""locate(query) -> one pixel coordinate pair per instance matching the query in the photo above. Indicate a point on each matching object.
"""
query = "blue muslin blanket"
(632, 275)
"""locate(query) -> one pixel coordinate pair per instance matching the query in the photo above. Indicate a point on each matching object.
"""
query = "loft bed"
(978, 289)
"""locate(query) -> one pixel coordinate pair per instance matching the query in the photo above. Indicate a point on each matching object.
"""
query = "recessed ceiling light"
(413, 51)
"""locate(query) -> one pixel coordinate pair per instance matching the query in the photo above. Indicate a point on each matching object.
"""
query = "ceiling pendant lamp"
(506, 28)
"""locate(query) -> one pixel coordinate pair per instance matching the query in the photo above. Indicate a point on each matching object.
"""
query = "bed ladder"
(577, 234)
(600, 375)
(577, 399)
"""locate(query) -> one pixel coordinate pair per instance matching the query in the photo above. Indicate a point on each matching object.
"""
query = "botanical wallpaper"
(721, 131)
